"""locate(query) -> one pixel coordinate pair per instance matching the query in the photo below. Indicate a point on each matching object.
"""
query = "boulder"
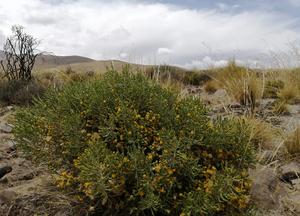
(10, 145)
(5, 170)
(9, 108)
(235, 106)
(5, 128)
(290, 167)
(267, 190)
(290, 173)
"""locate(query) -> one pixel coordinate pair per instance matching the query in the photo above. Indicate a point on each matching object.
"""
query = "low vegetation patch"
(262, 134)
(272, 88)
(20, 92)
(211, 86)
(196, 78)
(283, 85)
(126, 146)
(289, 93)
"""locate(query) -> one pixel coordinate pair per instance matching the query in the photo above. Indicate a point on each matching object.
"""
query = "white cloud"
(295, 2)
(103, 29)
(209, 62)
(164, 51)
(124, 55)
(206, 62)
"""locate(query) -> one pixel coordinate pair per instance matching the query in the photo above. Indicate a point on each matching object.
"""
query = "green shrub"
(126, 146)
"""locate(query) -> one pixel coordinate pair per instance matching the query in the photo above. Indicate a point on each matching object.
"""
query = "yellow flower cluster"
(65, 179)
(88, 189)
(209, 174)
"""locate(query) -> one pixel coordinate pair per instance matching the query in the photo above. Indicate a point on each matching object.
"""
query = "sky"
(190, 33)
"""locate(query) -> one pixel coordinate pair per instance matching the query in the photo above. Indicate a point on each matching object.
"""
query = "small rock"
(296, 184)
(11, 146)
(220, 93)
(5, 170)
(289, 177)
(10, 125)
(9, 108)
(276, 121)
(266, 190)
(235, 106)
(4, 180)
(26, 176)
(290, 167)
(290, 172)
(266, 103)
(5, 110)
(20, 161)
(293, 109)
(7, 196)
(5, 128)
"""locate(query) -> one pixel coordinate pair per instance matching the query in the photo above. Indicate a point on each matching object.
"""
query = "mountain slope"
(50, 61)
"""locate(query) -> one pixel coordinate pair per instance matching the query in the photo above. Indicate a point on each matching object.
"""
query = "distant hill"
(84, 64)
(52, 61)
(100, 66)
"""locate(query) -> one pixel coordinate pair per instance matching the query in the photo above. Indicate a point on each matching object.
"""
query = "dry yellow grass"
(172, 85)
(292, 143)
(280, 107)
(242, 84)
(290, 92)
(211, 86)
(262, 134)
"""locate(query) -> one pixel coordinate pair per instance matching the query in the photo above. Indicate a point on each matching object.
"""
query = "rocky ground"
(28, 189)
(276, 184)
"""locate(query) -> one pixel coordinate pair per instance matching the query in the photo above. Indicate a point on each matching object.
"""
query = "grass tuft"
(292, 143)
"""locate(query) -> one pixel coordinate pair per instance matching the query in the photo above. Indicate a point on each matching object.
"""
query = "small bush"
(126, 146)
(242, 84)
(279, 107)
(284, 85)
(262, 134)
(211, 86)
(289, 94)
(293, 142)
(20, 92)
(165, 72)
(69, 70)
